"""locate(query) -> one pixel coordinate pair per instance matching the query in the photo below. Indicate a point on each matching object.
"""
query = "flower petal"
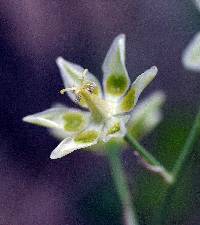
(146, 115)
(115, 128)
(84, 139)
(116, 80)
(191, 54)
(68, 120)
(59, 134)
(72, 75)
(130, 99)
(197, 3)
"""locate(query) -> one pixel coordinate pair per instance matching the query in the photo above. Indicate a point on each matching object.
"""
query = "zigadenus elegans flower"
(108, 110)
(197, 3)
(191, 54)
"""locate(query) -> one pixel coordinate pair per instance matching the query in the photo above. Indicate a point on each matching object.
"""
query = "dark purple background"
(33, 189)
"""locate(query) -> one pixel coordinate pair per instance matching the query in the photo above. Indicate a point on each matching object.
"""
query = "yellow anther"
(85, 85)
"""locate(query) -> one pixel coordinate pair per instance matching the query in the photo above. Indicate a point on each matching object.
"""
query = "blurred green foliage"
(102, 206)
(167, 142)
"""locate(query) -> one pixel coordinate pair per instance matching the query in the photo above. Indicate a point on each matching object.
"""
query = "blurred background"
(78, 189)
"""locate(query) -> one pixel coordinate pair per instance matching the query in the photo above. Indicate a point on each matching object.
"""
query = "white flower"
(108, 110)
(191, 54)
(146, 115)
(197, 3)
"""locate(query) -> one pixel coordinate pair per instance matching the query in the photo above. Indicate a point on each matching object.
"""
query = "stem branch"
(193, 136)
(148, 159)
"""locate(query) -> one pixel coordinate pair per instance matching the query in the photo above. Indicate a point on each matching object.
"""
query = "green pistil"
(96, 105)
(73, 122)
(114, 129)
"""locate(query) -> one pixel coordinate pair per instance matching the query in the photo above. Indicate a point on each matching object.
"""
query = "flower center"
(87, 92)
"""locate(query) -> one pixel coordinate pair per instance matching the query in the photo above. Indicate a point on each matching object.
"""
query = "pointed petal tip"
(161, 94)
(156, 99)
(27, 119)
(60, 61)
(121, 36)
(120, 40)
(54, 155)
(158, 96)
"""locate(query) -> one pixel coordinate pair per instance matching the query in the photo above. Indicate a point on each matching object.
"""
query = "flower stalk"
(148, 159)
(119, 178)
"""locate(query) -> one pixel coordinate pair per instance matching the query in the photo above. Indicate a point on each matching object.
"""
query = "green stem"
(179, 169)
(148, 159)
(113, 152)
(193, 136)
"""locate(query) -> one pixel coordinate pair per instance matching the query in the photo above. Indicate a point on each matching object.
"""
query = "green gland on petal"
(130, 99)
(74, 121)
(69, 145)
(115, 76)
(86, 137)
(115, 128)
(116, 84)
(62, 120)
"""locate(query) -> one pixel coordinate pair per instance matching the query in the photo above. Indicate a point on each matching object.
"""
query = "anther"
(66, 90)
(78, 98)
(90, 87)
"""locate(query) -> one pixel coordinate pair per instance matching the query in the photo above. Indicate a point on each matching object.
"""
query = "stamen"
(90, 87)
(66, 90)
(85, 85)
(78, 99)
(85, 71)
